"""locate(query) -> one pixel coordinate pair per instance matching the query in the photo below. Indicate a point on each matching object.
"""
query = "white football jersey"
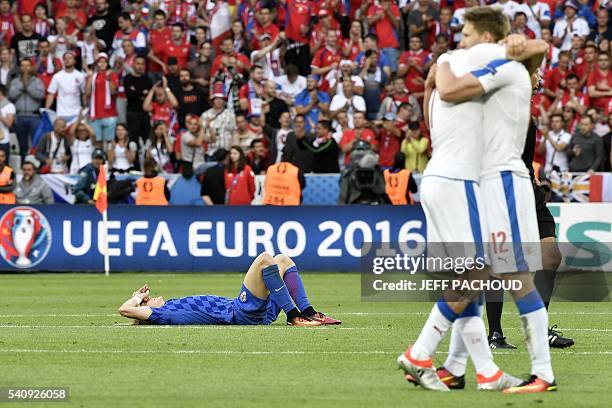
(456, 128)
(506, 112)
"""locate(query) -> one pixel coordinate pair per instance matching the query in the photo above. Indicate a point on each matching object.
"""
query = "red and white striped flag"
(220, 24)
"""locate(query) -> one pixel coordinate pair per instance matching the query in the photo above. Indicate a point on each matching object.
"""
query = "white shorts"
(453, 212)
(511, 223)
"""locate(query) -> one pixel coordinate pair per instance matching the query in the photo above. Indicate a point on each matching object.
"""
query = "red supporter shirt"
(216, 65)
(387, 34)
(178, 51)
(594, 79)
(535, 104)
(582, 99)
(389, 145)
(161, 112)
(554, 78)
(28, 6)
(42, 73)
(415, 82)
(584, 70)
(355, 50)
(325, 57)
(349, 135)
(157, 39)
(245, 93)
(7, 28)
(259, 30)
(298, 16)
(103, 111)
(240, 187)
(78, 15)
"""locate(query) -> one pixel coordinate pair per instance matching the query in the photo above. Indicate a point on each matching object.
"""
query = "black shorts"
(546, 222)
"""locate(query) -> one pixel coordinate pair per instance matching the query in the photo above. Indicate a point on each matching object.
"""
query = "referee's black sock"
(495, 306)
(544, 281)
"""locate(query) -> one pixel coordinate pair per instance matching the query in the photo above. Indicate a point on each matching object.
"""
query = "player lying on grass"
(270, 285)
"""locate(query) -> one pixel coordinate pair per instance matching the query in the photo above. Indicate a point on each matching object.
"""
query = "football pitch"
(62, 330)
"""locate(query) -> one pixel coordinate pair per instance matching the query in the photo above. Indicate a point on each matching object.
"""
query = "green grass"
(63, 330)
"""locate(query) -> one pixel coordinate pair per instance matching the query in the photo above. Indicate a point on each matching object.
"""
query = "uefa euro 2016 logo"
(26, 237)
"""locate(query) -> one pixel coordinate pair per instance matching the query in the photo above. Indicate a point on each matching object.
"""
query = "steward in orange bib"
(7, 181)
(399, 183)
(151, 189)
(283, 185)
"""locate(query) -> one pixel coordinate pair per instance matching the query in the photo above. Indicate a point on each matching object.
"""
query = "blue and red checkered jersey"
(206, 309)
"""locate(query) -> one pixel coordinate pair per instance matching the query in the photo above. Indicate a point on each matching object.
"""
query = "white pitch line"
(337, 314)
(240, 327)
(238, 352)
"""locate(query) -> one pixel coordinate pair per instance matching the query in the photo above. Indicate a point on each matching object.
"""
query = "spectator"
(555, 78)
(269, 55)
(347, 102)
(584, 69)
(441, 29)
(600, 122)
(602, 30)
(298, 24)
(415, 146)
(161, 103)
(88, 176)
(292, 152)
(151, 189)
(570, 121)
(519, 25)
(7, 181)
(192, 99)
(219, 122)
(412, 63)
(390, 138)
(7, 68)
(324, 148)
(346, 70)
(159, 147)
(458, 19)
(318, 36)
(263, 26)
(172, 76)
(272, 106)
(32, 190)
(67, 87)
(159, 34)
(311, 102)
(229, 59)
(353, 45)
(137, 86)
(82, 146)
(200, 69)
(192, 146)
(127, 31)
(213, 180)
(291, 84)
(258, 157)
(569, 26)
(25, 42)
(73, 14)
(53, 150)
(90, 46)
(370, 45)
(585, 150)
(46, 65)
(280, 137)
(42, 22)
(239, 179)
(100, 87)
(122, 153)
(572, 96)
(326, 60)
(557, 140)
(64, 40)
(7, 118)
(600, 83)
(104, 22)
(252, 93)
(244, 134)
(421, 19)
(398, 96)
(175, 47)
(538, 15)
(383, 17)
(9, 22)
(361, 131)
(240, 39)
(374, 80)
(27, 93)
(508, 7)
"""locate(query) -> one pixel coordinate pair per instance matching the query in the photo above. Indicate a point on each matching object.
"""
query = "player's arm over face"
(131, 308)
(460, 89)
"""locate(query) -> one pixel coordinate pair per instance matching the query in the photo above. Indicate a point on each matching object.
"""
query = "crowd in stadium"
(175, 86)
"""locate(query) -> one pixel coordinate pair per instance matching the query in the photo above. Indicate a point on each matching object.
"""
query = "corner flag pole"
(101, 199)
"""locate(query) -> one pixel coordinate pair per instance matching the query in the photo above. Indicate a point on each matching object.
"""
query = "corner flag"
(100, 194)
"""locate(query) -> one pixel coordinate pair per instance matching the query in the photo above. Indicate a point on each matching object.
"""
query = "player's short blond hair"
(489, 19)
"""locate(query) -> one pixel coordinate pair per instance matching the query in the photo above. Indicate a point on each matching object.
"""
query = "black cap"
(172, 61)
(98, 154)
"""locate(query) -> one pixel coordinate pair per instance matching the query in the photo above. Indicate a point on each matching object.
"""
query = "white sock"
(457, 352)
(535, 327)
(433, 332)
(474, 337)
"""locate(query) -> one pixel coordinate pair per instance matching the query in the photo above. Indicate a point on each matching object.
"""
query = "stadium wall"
(191, 238)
